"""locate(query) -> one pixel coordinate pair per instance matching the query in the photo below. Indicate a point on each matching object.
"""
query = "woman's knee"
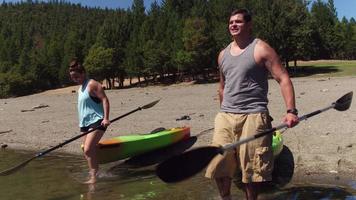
(89, 152)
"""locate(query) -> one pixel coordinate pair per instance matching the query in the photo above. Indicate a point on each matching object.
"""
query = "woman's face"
(77, 77)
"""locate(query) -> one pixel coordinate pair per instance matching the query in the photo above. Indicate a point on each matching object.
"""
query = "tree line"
(170, 41)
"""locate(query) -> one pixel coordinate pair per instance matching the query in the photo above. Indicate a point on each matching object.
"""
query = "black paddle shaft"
(21, 165)
(185, 165)
(342, 104)
(281, 126)
(85, 133)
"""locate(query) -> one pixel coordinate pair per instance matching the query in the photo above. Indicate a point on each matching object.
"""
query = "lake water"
(60, 177)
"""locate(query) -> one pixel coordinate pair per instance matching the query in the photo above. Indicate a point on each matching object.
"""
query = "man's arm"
(272, 62)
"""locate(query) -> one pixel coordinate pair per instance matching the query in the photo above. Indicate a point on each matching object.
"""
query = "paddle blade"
(183, 166)
(344, 102)
(150, 104)
(160, 155)
(16, 168)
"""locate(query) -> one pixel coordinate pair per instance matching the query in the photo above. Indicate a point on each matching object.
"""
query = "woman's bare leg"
(90, 147)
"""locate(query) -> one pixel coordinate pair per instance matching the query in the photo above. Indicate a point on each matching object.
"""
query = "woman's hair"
(76, 66)
(245, 12)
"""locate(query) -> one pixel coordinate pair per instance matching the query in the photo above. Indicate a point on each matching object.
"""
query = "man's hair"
(76, 66)
(245, 12)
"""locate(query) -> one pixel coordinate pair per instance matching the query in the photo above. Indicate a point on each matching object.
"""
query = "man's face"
(237, 24)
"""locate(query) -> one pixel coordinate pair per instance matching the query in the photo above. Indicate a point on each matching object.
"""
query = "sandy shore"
(325, 144)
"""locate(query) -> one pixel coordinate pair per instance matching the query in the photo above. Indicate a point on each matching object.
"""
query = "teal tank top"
(89, 111)
(246, 83)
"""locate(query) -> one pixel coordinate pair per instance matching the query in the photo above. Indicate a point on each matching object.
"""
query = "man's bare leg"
(251, 190)
(224, 185)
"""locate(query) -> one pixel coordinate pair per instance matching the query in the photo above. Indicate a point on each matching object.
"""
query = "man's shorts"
(254, 159)
(93, 125)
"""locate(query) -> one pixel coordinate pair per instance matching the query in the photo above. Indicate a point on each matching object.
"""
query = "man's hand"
(291, 120)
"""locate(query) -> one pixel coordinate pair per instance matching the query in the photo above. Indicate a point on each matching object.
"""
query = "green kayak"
(121, 147)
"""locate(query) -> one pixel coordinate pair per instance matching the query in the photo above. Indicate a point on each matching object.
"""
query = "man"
(93, 112)
(244, 66)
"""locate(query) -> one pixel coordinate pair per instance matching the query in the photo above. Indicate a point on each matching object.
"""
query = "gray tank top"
(246, 82)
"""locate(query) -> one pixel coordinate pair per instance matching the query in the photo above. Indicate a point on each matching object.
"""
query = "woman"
(93, 111)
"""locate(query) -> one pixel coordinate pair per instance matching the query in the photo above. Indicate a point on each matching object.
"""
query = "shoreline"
(324, 144)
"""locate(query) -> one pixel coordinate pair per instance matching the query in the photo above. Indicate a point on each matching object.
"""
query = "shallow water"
(59, 177)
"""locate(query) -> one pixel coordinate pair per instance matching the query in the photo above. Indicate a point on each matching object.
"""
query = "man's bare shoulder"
(263, 50)
(221, 55)
(262, 45)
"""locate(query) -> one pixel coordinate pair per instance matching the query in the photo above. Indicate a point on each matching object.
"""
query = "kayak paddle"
(40, 154)
(161, 154)
(183, 166)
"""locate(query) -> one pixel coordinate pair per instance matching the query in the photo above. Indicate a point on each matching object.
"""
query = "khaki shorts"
(254, 159)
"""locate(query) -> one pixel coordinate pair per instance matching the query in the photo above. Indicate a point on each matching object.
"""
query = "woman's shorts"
(93, 125)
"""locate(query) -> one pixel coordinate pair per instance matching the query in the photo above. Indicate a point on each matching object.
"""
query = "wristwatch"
(294, 111)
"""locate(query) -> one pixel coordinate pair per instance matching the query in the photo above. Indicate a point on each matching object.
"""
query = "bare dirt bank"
(325, 144)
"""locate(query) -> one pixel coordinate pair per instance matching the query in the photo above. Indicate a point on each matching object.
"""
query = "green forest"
(167, 42)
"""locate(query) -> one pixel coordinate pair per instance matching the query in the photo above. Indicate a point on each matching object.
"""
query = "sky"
(345, 8)
(102, 3)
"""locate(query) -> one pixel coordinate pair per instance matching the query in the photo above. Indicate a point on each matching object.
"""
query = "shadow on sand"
(303, 71)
